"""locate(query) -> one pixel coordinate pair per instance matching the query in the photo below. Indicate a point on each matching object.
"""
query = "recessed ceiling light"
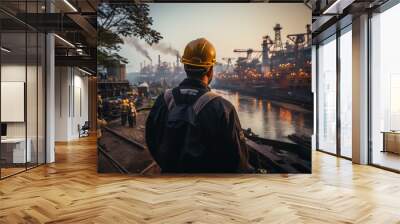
(5, 50)
(70, 5)
(86, 72)
(64, 40)
(337, 7)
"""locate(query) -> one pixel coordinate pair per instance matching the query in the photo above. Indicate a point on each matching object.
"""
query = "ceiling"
(74, 22)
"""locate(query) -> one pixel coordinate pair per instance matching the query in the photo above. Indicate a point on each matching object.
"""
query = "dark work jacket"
(219, 126)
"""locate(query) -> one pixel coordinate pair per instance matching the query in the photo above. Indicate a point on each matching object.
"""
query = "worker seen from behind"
(193, 130)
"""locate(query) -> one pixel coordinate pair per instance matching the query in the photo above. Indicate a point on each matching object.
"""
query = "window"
(346, 92)
(385, 89)
(327, 96)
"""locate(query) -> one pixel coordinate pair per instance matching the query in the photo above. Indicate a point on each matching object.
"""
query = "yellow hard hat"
(199, 52)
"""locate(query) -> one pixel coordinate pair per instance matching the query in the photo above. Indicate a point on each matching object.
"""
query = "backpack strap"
(203, 100)
(169, 99)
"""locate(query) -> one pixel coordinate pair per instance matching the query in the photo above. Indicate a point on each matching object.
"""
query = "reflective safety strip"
(192, 92)
(203, 101)
(200, 103)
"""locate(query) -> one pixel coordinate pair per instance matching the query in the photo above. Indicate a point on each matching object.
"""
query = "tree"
(116, 21)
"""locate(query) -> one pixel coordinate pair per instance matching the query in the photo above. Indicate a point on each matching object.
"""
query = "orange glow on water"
(260, 104)
(269, 107)
(285, 114)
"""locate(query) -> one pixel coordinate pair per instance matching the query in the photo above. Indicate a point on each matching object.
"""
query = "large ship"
(283, 73)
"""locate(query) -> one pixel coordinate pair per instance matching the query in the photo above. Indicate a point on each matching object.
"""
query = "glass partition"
(13, 86)
(22, 67)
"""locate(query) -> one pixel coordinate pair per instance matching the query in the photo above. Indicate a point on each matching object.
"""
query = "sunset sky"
(226, 25)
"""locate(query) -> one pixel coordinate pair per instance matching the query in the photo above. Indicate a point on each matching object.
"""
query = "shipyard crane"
(249, 52)
(278, 46)
(267, 41)
(266, 45)
(300, 40)
(228, 62)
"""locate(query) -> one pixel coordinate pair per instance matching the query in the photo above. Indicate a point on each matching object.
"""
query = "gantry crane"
(301, 39)
(249, 52)
(228, 62)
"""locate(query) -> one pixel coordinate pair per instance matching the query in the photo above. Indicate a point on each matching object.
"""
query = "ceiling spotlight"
(337, 7)
(86, 72)
(65, 41)
(70, 5)
(5, 50)
(79, 51)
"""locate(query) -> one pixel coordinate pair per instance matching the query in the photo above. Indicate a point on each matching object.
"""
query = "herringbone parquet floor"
(70, 191)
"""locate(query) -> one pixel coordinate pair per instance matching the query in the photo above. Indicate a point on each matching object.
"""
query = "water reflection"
(275, 120)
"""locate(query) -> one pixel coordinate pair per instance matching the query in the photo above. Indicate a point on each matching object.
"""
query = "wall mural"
(204, 88)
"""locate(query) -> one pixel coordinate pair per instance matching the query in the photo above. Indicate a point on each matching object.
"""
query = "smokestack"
(308, 36)
(159, 60)
(141, 66)
(177, 60)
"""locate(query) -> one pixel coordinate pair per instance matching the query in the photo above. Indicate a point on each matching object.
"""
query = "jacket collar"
(195, 83)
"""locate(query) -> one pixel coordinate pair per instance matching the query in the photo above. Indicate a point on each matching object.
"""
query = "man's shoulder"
(159, 102)
(222, 104)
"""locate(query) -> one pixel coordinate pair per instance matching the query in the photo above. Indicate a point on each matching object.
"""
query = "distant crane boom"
(249, 51)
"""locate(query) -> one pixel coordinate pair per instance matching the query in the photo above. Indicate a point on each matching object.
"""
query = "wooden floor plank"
(71, 191)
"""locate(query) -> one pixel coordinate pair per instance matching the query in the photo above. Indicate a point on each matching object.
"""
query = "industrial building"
(48, 96)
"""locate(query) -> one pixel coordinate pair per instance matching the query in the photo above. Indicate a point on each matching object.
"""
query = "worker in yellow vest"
(124, 111)
(132, 115)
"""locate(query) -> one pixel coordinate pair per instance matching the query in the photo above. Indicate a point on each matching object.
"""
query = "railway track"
(118, 153)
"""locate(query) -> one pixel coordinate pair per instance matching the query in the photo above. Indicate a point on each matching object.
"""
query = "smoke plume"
(135, 43)
(165, 49)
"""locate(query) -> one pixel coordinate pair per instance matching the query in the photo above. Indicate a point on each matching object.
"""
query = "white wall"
(71, 102)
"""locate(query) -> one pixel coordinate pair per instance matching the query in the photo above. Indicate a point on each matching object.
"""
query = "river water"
(270, 119)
